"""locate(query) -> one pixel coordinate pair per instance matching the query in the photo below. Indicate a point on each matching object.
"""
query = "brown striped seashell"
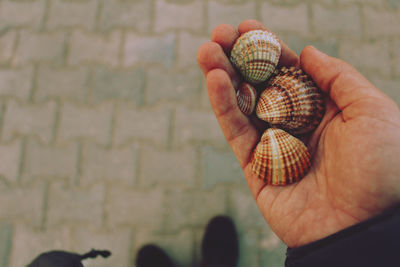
(291, 101)
(246, 98)
(255, 54)
(280, 158)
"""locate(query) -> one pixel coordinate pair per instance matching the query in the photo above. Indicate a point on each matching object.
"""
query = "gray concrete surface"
(107, 139)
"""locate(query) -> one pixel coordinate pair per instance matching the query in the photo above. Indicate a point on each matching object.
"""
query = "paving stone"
(171, 16)
(370, 58)
(220, 167)
(29, 119)
(132, 207)
(129, 89)
(10, 158)
(67, 13)
(92, 122)
(44, 161)
(220, 13)
(327, 45)
(65, 83)
(114, 165)
(392, 3)
(188, 45)
(273, 250)
(396, 57)
(158, 49)
(22, 203)
(296, 18)
(16, 82)
(379, 23)
(389, 87)
(179, 86)
(249, 252)
(193, 208)
(198, 234)
(21, 13)
(197, 126)
(178, 246)
(295, 2)
(118, 84)
(40, 47)
(234, 2)
(245, 211)
(181, 2)
(5, 242)
(116, 240)
(7, 42)
(343, 21)
(379, 3)
(67, 205)
(86, 48)
(29, 242)
(151, 124)
(168, 167)
(129, 14)
(204, 99)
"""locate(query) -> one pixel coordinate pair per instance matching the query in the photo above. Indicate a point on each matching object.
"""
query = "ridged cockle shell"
(246, 98)
(280, 158)
(291, 101)
(255, 54)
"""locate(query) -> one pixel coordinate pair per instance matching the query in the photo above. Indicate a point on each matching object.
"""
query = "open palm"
(355, 170)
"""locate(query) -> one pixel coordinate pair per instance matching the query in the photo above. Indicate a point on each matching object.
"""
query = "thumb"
(343, 83)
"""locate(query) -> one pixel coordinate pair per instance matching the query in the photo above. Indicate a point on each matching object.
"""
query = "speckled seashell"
(255, 54)
(246, 98)
(280, 158)
(291, 101)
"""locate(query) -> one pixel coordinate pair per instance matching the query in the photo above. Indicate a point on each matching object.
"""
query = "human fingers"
(343, 83)
(211, 56)
(225, 35)
(237, 128)
(288, 56)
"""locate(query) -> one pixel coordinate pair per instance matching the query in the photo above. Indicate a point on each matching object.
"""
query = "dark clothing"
(375, 242)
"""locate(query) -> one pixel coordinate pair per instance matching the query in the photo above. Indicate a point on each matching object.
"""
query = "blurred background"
(107, 139)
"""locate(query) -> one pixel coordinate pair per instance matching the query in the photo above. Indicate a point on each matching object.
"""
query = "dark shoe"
(65, 259)
(220, 243)
(152, 256)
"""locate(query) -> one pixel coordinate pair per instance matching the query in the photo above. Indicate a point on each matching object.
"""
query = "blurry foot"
(220, 243)
(152, 256)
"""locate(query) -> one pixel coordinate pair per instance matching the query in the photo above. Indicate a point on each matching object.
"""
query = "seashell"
(280, 158)
(291, 101)
(246, 98)
(255, 54)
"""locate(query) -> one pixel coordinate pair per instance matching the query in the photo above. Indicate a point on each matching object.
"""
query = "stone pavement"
(107, 139)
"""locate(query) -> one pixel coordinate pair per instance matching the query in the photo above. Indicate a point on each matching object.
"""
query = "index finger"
(288, 56)
(225, 35)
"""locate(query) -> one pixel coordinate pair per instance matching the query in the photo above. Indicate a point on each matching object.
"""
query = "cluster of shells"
(289, 102)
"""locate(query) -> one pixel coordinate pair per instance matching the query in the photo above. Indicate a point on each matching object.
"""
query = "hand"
(355, 172)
